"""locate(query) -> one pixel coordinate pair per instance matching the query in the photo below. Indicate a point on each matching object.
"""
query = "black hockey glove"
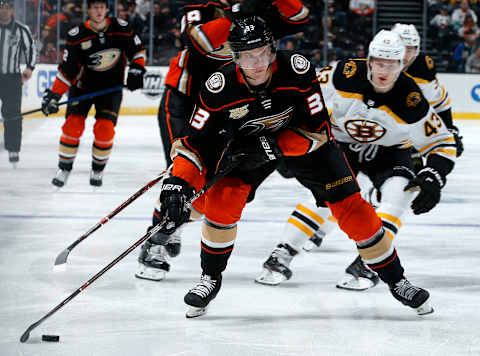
(50, 102)
(135, 76)
(430, 183)
(458, 139)
(255, 151)
(173, 198)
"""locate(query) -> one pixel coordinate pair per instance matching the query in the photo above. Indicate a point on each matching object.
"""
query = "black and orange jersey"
(289, 107)
(205, 29)
(97, 60)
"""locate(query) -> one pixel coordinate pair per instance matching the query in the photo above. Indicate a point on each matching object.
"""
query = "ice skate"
(60, 178)
(152, 262)
(201, 295)
(96, 178)
(358, 277)
(414, 297)
(313, 242)
(13, 158)
(276, 267)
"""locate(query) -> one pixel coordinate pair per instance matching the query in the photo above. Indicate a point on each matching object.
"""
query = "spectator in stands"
(48, 54)
(122, 11)
(360, 51)
(143, 8)
(459, 15)
(316, 59)
(135, 19)
(441, 25)
(473, 62)
(362, 7)
(469, 28)
(462, 52)
(361, 19)
(70, 16)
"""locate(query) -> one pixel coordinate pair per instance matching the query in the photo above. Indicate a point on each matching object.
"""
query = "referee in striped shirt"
(15, 39)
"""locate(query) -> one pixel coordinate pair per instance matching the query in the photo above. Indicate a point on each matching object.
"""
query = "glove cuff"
(433, 173)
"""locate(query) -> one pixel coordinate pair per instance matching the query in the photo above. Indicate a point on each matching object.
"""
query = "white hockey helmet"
(408, 34)
(386, 45)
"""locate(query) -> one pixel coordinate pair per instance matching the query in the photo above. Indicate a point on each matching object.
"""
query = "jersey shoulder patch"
(350, 75)
(407, 100)
(423, 67)
(215, 83)
(299, 63)
(74, 31)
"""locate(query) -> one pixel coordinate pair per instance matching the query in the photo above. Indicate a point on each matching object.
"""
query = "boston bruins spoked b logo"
(365, 131)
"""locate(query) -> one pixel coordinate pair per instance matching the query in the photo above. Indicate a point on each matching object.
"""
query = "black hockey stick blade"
(26, 334)
(62, 257)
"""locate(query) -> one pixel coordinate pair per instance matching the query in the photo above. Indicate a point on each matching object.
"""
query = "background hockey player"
(271, 105)
(94, 59)
(205, 27)
(378, 114)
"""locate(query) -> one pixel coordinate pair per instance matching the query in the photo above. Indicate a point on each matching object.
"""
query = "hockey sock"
(214, 256)
(389, 269)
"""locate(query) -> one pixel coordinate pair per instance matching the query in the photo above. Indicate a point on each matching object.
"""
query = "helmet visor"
(256, 58)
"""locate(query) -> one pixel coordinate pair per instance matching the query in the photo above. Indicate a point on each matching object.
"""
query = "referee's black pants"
(11, 97)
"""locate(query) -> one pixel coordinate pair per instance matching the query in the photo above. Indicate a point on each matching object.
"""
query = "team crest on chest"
(215, 82)
(271, 122)
(413, 99)
(238, 113)
(350, 69)
(365, 131)
(300, 64)
(104, 60)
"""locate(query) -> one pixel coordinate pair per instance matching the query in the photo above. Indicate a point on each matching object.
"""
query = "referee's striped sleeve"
(30, 49)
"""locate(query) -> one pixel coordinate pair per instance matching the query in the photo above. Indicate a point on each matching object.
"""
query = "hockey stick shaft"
(152, 231)
(62, 256)
(80, 98)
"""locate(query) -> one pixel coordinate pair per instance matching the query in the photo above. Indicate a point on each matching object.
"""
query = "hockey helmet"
(408, 34)
(386, 45)
(247, 34)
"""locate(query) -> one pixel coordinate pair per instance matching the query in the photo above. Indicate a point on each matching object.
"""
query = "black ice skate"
(13, 158)
(152, 262)
(414, 297)
(60, 178)
(96, 178)
(358, 277)
(202, 294)
(276, 267)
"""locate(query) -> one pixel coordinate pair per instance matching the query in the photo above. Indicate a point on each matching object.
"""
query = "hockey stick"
(62, 257)
(155, 229)
(80, 98)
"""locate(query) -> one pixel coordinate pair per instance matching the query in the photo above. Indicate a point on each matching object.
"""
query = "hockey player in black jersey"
(94, 59)
(205, 26)
(263, 107)
(378, 114)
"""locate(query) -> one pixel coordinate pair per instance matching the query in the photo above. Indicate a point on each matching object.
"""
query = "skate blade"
(151, 274)
(425, 308)
(349, 282)
(194, 312)
(270, 278)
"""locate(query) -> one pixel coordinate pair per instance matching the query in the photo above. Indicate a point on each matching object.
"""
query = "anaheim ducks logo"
(104, 60)
(350, 69)
(430, 62)
(238, 113)
(413, 99)
(365, 131)
(270, 123)
(222, 52)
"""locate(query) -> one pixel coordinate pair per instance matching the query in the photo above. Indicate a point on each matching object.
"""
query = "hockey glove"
(458, 139)
(253, 152)
(135, 76)
(173, 198)
(50, 102)
(430, 183)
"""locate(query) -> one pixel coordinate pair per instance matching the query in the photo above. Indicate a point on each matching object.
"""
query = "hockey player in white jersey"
(378, 114)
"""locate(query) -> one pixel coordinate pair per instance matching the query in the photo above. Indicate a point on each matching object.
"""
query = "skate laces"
(405, 289)
(62, 175)
(281, 254)
(205, 287)
(156, 253)
(97, 175)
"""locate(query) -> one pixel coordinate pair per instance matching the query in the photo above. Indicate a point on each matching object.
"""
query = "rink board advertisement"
(464, 90)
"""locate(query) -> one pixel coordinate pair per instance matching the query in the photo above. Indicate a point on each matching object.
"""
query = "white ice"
(121, 315)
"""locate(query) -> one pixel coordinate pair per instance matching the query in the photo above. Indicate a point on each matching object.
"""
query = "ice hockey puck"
(51, 338)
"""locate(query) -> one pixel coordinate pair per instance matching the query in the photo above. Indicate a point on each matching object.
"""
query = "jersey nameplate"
(300, 64)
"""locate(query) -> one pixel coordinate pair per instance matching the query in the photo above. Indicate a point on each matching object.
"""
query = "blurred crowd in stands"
(453, 33)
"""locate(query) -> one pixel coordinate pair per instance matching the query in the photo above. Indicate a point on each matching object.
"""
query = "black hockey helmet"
(249, 33)
(90, 2)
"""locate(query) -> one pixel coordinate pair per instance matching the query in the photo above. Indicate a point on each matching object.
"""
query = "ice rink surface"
(121, 315)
